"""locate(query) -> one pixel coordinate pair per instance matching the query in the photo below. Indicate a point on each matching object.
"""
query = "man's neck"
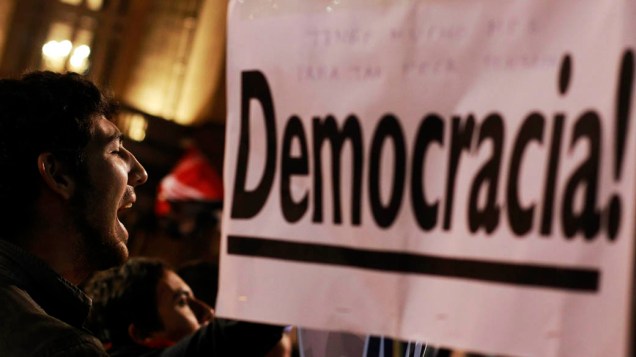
(53, 240)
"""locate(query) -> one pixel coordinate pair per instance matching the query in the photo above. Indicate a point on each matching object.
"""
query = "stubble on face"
(96, 241)
(104, 187)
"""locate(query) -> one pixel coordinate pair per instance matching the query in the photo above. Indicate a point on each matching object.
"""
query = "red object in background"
(192, 179)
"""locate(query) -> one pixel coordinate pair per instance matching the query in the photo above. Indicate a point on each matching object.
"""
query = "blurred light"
(71, 2)
(94, 4)
(134, 126)
(55, 49)
(79, 59)
(82, 51)
(138, 126)
(190, 23)
(55, 54)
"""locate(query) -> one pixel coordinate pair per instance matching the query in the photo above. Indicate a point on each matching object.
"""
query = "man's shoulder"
(27, 330)
(16, 303)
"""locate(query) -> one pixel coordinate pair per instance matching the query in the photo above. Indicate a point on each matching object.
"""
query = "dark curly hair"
(125, 295)
(42, 112)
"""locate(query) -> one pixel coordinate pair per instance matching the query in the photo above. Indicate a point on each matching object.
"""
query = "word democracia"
(468, 135)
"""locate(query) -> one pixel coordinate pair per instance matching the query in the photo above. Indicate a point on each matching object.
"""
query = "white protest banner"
(455, 172)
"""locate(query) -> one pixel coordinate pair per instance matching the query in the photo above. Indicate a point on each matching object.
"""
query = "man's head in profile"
(66, 175)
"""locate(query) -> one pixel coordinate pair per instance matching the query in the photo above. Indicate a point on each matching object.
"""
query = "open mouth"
(128, 200)
(122, 211)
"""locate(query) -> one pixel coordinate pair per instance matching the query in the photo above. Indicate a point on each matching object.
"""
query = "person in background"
(203, 277)
(144, 308)
(65, 179)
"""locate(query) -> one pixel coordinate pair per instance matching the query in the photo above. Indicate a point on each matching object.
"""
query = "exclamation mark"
(623, 104)
(565, 73)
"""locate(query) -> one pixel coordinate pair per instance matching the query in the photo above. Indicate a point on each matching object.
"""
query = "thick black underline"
(546, 276)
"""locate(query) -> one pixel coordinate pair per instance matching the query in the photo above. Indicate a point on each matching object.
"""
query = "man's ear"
(135, 334)
(152, 340)
(56, 175)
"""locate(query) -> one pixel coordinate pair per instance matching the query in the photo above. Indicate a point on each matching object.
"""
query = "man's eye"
(182, 302)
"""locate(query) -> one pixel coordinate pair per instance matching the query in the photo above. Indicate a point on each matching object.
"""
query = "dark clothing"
(218, 338)
(41, 314)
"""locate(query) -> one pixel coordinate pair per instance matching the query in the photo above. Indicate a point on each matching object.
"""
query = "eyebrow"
(114, 137)
(118, 136)
(180, 293)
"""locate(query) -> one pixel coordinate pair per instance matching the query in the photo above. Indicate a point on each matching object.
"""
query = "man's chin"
(123, 255)
(110, 255)
(122, 252)
(114, 262)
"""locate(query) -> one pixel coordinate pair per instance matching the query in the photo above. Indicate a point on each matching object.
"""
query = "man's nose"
(137, 175)
(202, 311)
